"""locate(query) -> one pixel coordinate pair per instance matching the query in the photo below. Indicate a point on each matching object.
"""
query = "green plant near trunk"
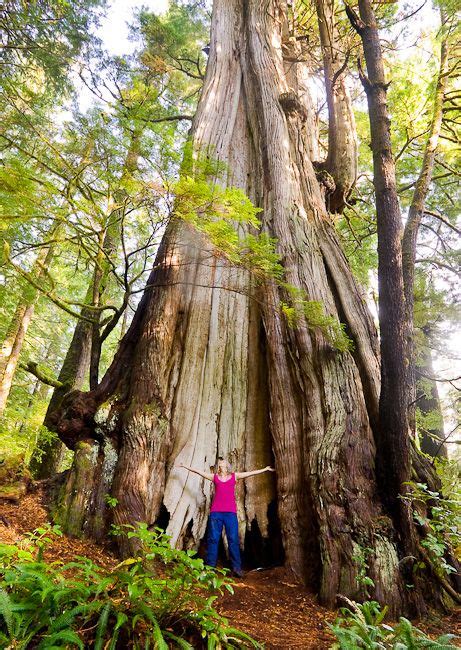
(222, 214)
(362, 626)
(161, 599)
(440, 519)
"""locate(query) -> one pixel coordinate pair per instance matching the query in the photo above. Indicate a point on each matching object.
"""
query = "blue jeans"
(215, 525)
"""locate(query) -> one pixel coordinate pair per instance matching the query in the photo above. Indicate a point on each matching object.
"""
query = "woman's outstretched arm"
(206, 475)
(255, 471)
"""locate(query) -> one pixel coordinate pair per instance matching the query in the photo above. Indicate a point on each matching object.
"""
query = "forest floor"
(268, 604)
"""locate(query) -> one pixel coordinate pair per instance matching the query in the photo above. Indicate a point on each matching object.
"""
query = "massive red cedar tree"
(210, 366)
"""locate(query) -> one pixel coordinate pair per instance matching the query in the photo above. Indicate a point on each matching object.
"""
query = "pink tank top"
(224, 495)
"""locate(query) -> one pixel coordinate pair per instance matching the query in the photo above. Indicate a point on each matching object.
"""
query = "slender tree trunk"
(431, 436)
(84, 352)
(393, 467)
(415, 214)
(394, 446)
(74, 370)
(342, 158)
(210, 366)
(16, 333)
(110, 238)
(11, 347)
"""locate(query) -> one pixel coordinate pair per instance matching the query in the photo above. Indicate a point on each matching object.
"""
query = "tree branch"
(32, 367)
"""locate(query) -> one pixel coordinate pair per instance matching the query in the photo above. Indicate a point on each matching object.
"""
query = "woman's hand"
(269, 469)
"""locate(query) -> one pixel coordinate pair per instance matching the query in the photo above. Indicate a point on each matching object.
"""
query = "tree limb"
(32, 367)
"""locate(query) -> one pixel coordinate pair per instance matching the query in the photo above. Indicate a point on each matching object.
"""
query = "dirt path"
(269, 605)
(276, 610)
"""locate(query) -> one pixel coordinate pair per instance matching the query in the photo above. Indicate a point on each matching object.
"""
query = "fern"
(67, 618)
(66, 636)
(181, 643)
(6, 610)
(364, 628)
(102, 626)
(233, 634)
(56, 605)
(160, 643)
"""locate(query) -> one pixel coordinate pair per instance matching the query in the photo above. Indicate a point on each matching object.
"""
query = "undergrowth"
(161, 599)
(362, 627)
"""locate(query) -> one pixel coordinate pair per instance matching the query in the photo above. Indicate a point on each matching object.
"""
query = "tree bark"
(393, 468)
(415, 214)
(84, 352)
(394, 447)
(74, 370)
(342, 159)
(432, 438)
(210, 366)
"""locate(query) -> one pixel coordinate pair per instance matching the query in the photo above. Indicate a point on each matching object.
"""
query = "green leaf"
(102, 626)
(66, 636)
(6, 610)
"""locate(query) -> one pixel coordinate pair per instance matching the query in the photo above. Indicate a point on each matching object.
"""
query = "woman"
(223, 512)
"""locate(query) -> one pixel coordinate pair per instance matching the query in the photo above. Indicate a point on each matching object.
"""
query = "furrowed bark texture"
(209, 366)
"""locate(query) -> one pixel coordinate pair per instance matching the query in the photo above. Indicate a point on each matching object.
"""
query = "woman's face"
(222, 467)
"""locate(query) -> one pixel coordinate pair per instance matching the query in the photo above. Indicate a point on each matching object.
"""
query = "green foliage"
(449, 472)
(218, 212)
(174, 44)
(162, 598)
(357, 231)
(43, 38)
(362, 626)
(227, 217)
(440, 518)
(360, 556)
(315, 317)
(12, 468)
(430, 420)
(111, 501)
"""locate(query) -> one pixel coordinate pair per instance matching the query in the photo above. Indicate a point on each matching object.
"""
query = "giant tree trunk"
(209, 365)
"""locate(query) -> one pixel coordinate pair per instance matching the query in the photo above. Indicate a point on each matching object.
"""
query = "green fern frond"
(102, 626)
(160, 643)
(6, 610)
(65, 636)
(67, 618)
(181, 643)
